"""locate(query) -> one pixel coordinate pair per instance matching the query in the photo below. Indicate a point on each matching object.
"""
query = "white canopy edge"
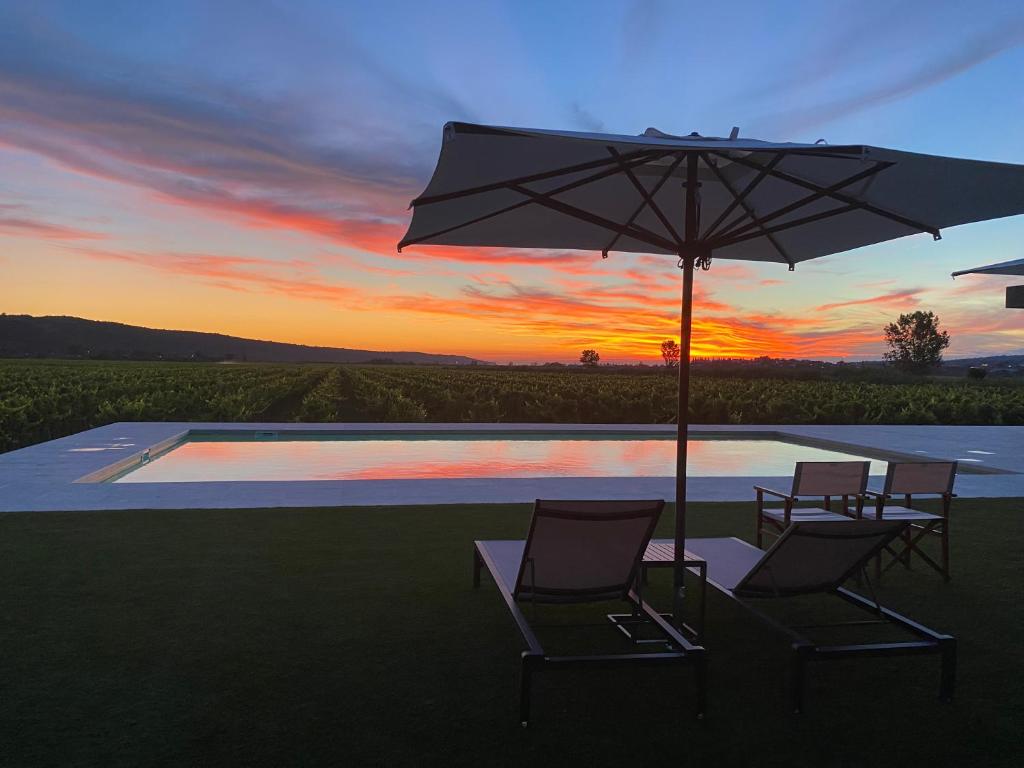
(1014, 267)
(654, 139)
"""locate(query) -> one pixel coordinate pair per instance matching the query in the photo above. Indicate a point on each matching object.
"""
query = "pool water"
(221, 458)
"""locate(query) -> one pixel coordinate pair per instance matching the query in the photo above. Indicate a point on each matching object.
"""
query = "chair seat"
(902, 513)
(806, 515)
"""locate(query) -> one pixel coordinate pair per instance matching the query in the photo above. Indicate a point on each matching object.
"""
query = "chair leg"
(912, 544)
(945, 549)
(760, 525)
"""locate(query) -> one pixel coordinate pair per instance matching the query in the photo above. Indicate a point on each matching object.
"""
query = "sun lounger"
(582, 552)
(817, 479)
(909, 479)
(818, 557)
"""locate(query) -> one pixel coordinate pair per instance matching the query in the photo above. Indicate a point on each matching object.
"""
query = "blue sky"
(246, 167)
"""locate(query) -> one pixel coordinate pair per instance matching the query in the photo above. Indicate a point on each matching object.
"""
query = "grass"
(353, 637)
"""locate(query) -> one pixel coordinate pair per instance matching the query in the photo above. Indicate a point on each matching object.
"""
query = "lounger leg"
(477, 565)
(797, 676)
(529, 660)
(700, 673)
(948, 679)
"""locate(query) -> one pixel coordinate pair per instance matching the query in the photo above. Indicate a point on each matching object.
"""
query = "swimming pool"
(302, 457)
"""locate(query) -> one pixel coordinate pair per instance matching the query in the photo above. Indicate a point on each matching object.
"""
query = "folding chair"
(818, 557)
(826, 479)
(583, 552)
(909, 479)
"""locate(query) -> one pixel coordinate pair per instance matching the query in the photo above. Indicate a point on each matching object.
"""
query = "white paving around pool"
(64, 474)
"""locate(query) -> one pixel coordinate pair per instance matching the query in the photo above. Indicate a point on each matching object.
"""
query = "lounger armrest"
(780, 494)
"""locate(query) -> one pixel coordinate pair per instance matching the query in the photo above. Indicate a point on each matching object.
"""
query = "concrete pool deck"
(60, 475)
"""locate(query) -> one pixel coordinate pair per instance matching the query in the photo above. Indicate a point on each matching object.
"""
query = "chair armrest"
(769, 491)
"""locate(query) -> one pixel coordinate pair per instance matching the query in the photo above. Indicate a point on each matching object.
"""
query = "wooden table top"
(663, 551)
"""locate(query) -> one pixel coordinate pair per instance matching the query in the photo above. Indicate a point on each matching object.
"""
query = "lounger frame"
(679, 652)
(806, 651)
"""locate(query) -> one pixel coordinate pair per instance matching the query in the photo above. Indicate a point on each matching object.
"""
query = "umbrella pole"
(687, 260)
(682, 432)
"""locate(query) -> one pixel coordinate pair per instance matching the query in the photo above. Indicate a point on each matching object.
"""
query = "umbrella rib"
(648, 197)
(649, 154)
(635, 231)
(849, 200)
(738, 199)
(746, 207)
(734, 230)
(523, 203)
(769, 231)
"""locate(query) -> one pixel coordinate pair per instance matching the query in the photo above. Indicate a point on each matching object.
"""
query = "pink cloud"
(907, 296)
(14, 221)
(292, 279)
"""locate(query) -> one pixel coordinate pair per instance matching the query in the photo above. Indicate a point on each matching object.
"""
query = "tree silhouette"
(590, 357)
(915, 342)
(670, 353)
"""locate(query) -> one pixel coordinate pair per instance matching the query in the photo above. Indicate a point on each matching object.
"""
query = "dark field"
(42, 400)
(353, 637)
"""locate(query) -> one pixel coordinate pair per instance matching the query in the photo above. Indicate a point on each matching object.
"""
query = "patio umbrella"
(1014, 293)
(1015, 267)
(694, 198)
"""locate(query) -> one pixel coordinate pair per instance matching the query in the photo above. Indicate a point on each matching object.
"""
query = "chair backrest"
(817, 557)
(830, 478)
(585, 551)
(915, 477)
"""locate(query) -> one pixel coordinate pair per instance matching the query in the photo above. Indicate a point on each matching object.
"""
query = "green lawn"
(354, 637)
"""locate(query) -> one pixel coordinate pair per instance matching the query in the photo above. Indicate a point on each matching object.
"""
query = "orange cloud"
(627, 319)
(292, 278)
(632, 327)
(907, 296)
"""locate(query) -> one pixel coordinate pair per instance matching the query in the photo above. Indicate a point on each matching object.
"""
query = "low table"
(660, 553)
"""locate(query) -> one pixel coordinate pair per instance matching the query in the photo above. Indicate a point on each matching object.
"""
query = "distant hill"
(71, 337)
(995, 361)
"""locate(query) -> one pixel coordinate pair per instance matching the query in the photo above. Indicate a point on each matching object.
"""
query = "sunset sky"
(246, 168)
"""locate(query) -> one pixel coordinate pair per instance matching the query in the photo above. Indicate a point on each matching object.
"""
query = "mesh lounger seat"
(909, 479)
(818, 479)
(582, 552)
(818, 557)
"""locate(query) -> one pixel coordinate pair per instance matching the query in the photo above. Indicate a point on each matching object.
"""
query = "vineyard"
(42, 400)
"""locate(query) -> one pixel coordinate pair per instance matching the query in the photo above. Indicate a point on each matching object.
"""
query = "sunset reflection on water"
(378, 459)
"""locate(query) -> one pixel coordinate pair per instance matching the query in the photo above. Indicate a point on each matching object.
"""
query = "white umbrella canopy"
(525, 188)
(695, 198)
(1014, 293)
(1015, 267)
